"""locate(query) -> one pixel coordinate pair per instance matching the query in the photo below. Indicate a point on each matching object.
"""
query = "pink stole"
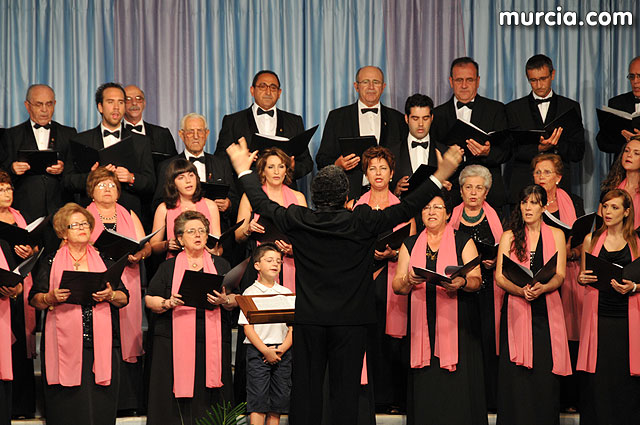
(131, 314)
(571, 292)
(519, 320)
(288, 265)
(6, 336)
(184, 337)
(27, 284)
(446, 329)
(496, 230)
(588, 352)
(172, 214)
(636, 203)
(63, 330)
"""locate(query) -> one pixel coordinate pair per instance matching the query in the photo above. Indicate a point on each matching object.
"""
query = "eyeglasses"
(191, 132)
(469, 80)
(103, 186)
(539, 80)
(271, 260)
(437, 207)
(479, 188)
(40, 105)
(80, 226)
(199, 231)
(130, 99)
(632, 77)
(6, 190)
(545, 173)
(367, 82)
(264, 87)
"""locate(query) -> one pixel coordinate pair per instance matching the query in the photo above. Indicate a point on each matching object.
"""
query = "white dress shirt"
(271, 333)
(544, 107)
(110, 140)
(42, 136)
(141, 122)
(200, 166)
(266, 124)
(369, 123)
(418, 155)
(464, 113)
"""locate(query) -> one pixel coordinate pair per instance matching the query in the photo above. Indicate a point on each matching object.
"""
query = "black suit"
(523, 114)
(489, 115)
(344, 122)
(403, 160)
(161, 139)
(37, 195)
(335, 301)
(219, 171)
(614, 143)
(243, 124)
(132, 195)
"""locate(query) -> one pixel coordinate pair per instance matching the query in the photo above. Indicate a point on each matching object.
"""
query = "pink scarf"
(396, 325)
(6, 336)
(131, 314)
(184, 337)
(446, 343)
(571, 292)
(29, 312)
(519, 318)
(172, 214)
(496, 231)
(288, 265)
(636, 203)
(63, 330)
(588, 352)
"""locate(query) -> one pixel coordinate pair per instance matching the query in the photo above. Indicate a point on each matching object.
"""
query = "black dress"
(481, 232)
(163, 407)
(435, 395)
(89, 403)
(529, 396)
(611, 395)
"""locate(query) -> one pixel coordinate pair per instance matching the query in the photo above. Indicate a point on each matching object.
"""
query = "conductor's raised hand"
(449, 162)
(240, 157)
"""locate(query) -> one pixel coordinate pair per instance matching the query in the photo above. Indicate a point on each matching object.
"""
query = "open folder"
(394, 239)
(295, 146)
(522, 276)
(462, 130)
(121, 154)
(566, 120)
(581, 227)
(357, 145)
(607, 271)
(114, 245)
(212, 240)
(38, 160)
(196, 285)
(422, 173)
(451, 272)
(31, 235)
(13, 277)
(214, 191)
(271, 232)
(83, 284)
(613, 121)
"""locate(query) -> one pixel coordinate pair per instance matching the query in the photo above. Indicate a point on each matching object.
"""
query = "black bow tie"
(365, 110)
(137, 128)
(262, 111)
(415, 144)
(462, 104)
(115, 134)
(540, 101)
(197, 159)
(635, 101)
(46, 126)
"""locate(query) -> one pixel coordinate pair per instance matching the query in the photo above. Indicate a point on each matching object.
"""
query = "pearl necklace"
(113, 218)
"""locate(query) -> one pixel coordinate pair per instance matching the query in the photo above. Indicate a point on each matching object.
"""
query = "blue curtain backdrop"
(200, 55)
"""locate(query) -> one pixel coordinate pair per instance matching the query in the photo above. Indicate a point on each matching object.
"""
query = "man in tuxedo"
(539, 108)
(211, 168)
(37, 194)
(264, 118)
(160, 137)
(627, 102)
(487, 114)
(419, 148)
(366, 117)
(136, 182)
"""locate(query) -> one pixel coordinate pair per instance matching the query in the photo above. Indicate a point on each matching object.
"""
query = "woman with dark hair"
(475, 217)
(191, 366)
(610, 332)
(532, 328)
(23, 323)
(104, 189)
(446, 385)
(385, 364)
(625, 174)
(182, 192)
(80, 344)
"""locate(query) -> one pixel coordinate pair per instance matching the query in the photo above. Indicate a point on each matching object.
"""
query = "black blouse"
(610, 302)
(481, 232)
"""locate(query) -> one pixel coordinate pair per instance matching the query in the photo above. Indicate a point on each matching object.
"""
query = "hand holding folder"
(522, 276)
(197, 288)
(83, 285)
(451, 272)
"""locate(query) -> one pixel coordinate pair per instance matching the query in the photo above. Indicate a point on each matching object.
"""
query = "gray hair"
(476, 171)
(193, 115)
(35, 86)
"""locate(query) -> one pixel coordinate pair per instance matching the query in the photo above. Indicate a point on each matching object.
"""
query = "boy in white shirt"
(268, 355)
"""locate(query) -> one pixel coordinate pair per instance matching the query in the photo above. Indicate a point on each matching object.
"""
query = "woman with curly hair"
(625, 174)
(532, 329)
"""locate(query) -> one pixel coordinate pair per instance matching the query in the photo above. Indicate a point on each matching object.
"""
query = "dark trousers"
(341, 348)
